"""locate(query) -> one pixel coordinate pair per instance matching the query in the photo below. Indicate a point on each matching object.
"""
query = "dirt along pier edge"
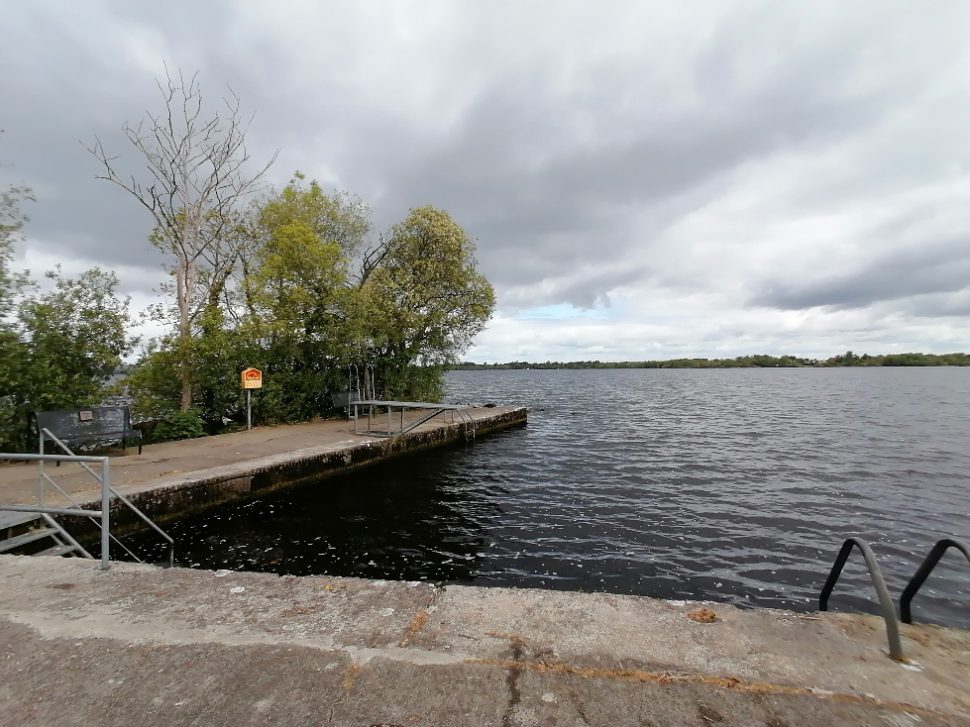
(172, 479)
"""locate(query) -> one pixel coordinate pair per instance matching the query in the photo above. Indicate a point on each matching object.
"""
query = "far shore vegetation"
(741, 362)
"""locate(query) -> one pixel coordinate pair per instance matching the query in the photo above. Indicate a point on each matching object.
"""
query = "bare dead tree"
(196, 180)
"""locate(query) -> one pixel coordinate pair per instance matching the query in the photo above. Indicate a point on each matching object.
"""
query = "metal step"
(17, 541)
(11, 519)
(58, 550)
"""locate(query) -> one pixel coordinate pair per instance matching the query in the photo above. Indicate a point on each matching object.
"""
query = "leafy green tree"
(424, 302)
(294, 310)
(288, 310)
(339, 218)
(298, 292)
(64, 346)
(11, 347)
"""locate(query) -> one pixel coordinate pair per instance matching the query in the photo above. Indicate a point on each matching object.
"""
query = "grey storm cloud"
(632, 153)
(942, 268)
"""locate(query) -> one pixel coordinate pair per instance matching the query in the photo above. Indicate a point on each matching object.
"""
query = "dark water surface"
(730, 485)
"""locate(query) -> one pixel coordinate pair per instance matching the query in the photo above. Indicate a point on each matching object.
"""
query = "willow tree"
(425, 299)
(195, 180)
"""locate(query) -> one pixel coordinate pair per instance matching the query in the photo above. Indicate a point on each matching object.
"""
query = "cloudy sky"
(644, 180)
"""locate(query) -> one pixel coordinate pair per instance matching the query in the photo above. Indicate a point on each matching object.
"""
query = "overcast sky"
(644, 180)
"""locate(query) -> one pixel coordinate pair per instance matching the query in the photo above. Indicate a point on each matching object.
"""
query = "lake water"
(730, 485)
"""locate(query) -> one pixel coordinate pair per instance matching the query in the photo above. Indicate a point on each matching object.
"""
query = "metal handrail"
(875, 575)
(171, 543)
(104, 513)
(28, 457)
(81, 510)
(467, 419)
(39, 509)
(148, 520)
(923, 572)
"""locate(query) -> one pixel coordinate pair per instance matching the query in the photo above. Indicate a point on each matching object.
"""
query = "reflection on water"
(734, 485)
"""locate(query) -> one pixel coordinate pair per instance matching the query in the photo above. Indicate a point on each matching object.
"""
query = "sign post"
(250, 379)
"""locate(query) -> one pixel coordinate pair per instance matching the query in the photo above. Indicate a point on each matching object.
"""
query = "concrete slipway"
(139, 645)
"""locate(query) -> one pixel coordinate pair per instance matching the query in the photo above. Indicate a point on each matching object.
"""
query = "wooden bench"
(89, 426)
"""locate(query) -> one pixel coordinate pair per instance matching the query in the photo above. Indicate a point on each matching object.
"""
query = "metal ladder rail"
(411, 426)
(878, 582)
(469, 421)
(923, 572)
(103, 513)
(113, 491)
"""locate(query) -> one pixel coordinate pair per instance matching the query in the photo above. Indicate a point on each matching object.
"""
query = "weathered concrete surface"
(177, 477)
(146, 646)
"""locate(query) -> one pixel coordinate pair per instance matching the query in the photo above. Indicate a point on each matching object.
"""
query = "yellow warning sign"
(251, 378)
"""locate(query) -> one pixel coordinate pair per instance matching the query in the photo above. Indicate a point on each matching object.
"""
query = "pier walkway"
(173, 476)
(150, 646)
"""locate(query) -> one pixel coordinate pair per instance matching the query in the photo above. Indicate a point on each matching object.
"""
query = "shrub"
(181, 425)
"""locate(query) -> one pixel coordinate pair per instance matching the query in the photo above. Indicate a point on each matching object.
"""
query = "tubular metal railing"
(46, 433)
(368, 406)
(875, 575)
(936, 552)
(100, 518)
(104, 514)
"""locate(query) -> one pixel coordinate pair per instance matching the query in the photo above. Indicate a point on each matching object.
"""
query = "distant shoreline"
(845, 360)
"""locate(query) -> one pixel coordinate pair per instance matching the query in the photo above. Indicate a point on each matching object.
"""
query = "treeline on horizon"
(741, 362)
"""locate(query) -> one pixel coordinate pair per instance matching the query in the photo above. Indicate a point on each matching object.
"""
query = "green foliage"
(339, 218)
(295, 311)
(425, 302)
(152, 383)
(60, 350)
(179, 425)
(290, 310)
(299, 301)
(900, 359)
(756, 361)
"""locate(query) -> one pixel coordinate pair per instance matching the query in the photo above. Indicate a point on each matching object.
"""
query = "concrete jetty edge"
(169, 498)
(172, 479)
(151, 646)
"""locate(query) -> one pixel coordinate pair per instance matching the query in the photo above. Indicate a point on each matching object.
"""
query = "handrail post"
(923, 572)
(105, 513)
(875, 575)
(40, 476)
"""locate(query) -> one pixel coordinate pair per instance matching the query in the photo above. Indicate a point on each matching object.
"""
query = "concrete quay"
(150, 646)
(170, 479)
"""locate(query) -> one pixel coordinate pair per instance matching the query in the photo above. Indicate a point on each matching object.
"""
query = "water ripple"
(734, 486)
